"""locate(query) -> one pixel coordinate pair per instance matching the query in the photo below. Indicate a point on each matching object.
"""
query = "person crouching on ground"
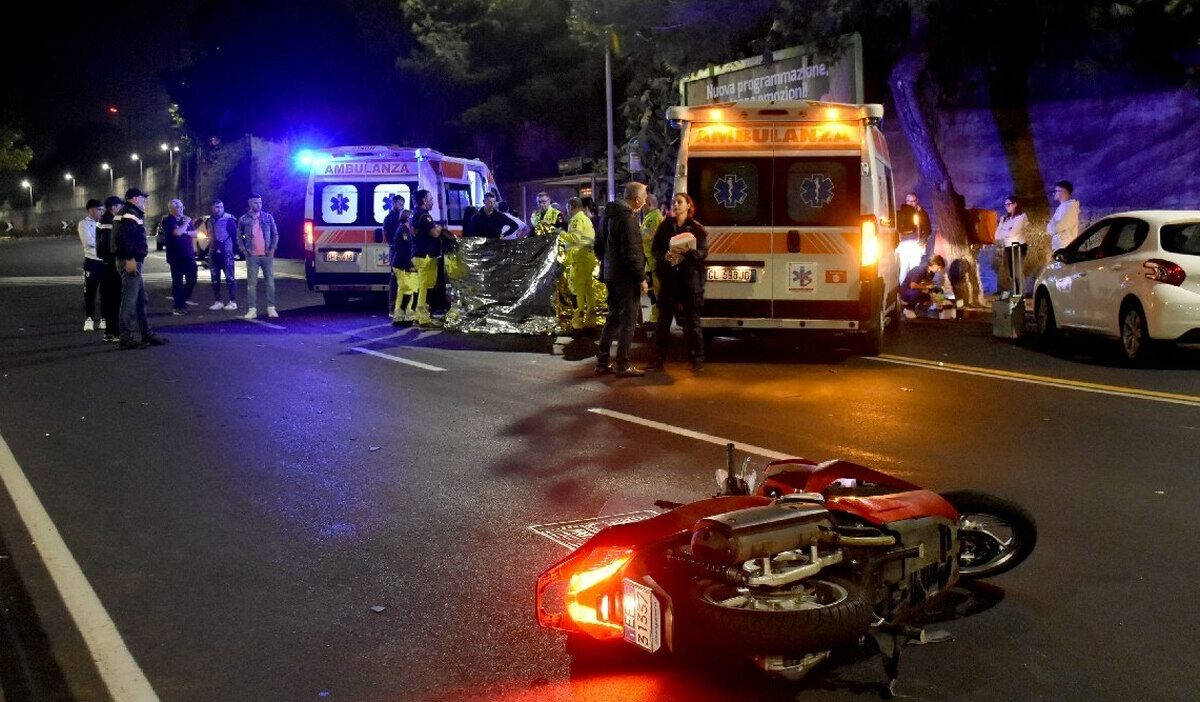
(919, 285)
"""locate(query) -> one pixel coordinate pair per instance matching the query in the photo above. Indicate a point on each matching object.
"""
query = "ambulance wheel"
(335, 300)
(895, 315)
(872, 339)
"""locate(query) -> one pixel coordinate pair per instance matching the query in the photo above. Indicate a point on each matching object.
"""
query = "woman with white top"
(1012, 245)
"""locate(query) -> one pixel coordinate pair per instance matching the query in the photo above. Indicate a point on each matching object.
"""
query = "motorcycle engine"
(758, 532)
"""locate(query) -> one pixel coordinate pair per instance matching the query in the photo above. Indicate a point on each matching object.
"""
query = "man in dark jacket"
(129, 235)
(110, 285)
(622, 268)
(391, 224)
(178, 230)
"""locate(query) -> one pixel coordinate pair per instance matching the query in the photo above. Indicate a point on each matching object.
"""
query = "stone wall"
(1138, 151)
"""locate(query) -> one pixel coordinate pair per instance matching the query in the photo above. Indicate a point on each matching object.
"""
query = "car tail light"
(592, 602)
(870, 241)
(308, 235)
(1164, 271)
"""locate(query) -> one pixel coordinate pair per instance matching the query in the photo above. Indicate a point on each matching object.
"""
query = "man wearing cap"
(178, 230)
(129, 235)
(110, 283)
(258, 237)
(93, 265)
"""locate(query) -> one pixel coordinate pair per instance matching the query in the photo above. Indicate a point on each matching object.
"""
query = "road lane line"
(119, 671)
(1062, 383)
(397, 359)
(265, 324)
(360, 330)
(757, 450)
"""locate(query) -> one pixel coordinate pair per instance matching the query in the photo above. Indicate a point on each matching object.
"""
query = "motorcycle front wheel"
(813, 615)
(995, 535)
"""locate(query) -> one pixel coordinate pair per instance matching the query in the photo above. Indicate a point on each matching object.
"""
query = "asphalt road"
(241, 499)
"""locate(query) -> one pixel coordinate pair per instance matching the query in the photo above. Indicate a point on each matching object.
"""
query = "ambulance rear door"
(350, 204)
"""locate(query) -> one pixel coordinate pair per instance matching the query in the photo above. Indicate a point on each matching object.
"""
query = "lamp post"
(68, 176)
(106, 167)
(170, 156)
(141, 170)
(28, 186)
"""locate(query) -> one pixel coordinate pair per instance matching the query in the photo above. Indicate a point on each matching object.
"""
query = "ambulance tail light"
(870, 241)
(308, 235)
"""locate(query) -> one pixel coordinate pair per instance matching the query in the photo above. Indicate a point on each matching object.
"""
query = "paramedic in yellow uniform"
(581, 264)
(650, 222)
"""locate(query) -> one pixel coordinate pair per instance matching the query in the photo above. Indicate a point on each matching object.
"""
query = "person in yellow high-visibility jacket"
(581, 264)
(546, 220)
(650, 222)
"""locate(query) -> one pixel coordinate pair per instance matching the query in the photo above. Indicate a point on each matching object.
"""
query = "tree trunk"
(947, 208)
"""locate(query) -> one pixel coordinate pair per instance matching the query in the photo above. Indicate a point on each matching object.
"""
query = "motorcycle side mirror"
(736, 481)
(1060, 255)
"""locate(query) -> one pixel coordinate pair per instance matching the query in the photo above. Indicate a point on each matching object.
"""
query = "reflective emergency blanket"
(503, 287)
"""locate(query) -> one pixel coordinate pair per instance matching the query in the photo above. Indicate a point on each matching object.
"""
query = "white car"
(1133, 275)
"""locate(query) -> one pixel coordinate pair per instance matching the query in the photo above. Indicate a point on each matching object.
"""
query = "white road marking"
(397, 359)
(259, 321)
(120, 672)
(720, 441)
(360, 330)
(1048, 381)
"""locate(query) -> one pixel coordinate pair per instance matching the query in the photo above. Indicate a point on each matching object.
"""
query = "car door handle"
(1117, 267)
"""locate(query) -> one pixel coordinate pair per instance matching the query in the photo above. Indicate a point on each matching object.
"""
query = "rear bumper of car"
(345, 282)
(1173, 314)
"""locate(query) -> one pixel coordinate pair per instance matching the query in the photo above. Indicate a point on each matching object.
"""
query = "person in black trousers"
(110, 284)
(622, 268)
(680, 268)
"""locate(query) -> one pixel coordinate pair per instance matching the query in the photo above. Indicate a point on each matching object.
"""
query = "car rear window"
(1182, 238)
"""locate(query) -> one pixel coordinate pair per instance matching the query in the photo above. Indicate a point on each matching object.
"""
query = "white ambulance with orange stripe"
(349, 194)
(798, 202)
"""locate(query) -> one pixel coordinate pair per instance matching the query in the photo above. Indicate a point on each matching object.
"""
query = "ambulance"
(349, 194)
(798, 201)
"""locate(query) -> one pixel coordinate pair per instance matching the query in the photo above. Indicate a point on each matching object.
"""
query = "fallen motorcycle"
(821, 557)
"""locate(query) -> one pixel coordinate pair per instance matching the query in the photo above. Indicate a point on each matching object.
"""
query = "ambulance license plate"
(341, 256)
(643, 616)
(732, 274)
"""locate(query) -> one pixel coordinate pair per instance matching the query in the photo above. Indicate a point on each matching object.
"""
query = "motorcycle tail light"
(1164, 271)
(591, 603)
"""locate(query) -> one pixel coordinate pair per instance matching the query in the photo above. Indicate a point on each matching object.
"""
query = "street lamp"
(106, 167)
(28, 186)
(170, 155)
(71, 178)
(141, 171)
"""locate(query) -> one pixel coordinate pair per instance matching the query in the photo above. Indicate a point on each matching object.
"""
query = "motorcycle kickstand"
(890, 639)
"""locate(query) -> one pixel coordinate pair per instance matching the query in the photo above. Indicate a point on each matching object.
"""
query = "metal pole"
(608, 115)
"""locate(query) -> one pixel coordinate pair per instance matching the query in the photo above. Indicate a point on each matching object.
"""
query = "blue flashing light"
(305, 158)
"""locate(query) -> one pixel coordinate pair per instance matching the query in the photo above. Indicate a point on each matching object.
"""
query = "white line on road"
(360, 330)
(119, 671)
(259, 321)
(1060, 383)
(397, 359)
(757, 450)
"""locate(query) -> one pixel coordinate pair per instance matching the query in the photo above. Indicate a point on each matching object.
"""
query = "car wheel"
(1047, 326)
(1135, 336)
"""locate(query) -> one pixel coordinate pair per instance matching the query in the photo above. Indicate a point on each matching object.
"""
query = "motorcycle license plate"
(643, 616)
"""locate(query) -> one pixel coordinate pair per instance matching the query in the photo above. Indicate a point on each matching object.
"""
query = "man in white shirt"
(1063, 227)
(93, 265)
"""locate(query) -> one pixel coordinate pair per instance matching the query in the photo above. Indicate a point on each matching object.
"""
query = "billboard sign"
(798, 73)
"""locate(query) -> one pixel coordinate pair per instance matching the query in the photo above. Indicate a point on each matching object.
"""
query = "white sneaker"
(231, 306)
(271, 312)
(88, 324)
(250, 314)
(218, 305)
(103, 325)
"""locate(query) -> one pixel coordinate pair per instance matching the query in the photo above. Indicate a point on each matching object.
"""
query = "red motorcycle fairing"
(627, 539)
(908, 501)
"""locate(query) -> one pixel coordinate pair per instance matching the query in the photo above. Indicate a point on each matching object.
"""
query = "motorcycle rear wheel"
(995, 534)
(810, 616)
